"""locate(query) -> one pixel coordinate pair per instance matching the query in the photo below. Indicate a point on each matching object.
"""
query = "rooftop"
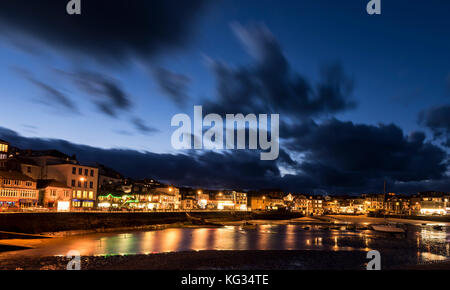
(44, 183)
(14, 175)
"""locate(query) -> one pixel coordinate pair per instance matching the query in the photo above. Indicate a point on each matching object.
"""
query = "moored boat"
(388, 228)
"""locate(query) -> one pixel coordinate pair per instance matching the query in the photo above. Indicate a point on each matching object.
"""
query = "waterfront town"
(32, 180)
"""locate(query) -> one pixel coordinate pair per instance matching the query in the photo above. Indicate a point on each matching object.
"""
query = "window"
(91, 195)
(85, 194)
(79, 183)
(73, 182)
(91, 184)
(80, 171)
(74, 170)
(29, 169)
(86, 172)
(85, 184)
(79, 194)
(92, 172)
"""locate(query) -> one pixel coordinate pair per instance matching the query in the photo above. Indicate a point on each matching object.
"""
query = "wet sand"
(219, 260)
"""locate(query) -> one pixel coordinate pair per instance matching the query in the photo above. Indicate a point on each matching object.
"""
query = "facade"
(54, 195)
(17, 191)
(240, 200)
(202, 200)
(158, 198)
(374, 202)
(81, 179)
(4, 149)
(225, 200)
(301, 204)
(433, 203)
(259, 202)
(188, 204)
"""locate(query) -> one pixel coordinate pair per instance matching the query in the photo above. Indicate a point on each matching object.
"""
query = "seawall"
(34, 223)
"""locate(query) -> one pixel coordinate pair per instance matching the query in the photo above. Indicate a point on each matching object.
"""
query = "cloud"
(142, 127)
(353, 159)
(173, 85)
(208, 169)
(343, 155)
(105, 30)
(437, 119)
(109, 95)
(52, 96)
(270, 85)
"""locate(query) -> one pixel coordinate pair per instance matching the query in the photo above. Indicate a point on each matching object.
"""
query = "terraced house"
(17, 191)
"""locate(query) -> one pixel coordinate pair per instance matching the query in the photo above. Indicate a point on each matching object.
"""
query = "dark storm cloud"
(108, 92)
(173, 85)
(270, 85)
(237, 169)
(105, 30)
(344, 154)
(352, 159)
(142, 127)
(437, 119)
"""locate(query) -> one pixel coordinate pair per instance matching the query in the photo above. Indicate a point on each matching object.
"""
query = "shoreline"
(219, 260)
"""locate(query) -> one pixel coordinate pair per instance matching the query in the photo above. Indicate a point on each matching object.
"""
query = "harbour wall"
(35, 223)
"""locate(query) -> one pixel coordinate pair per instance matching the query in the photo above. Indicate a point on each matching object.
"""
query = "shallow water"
(423, 243)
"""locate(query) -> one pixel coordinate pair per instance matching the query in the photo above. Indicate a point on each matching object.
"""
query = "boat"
(248, 226)
(438, 228)
(389, 228)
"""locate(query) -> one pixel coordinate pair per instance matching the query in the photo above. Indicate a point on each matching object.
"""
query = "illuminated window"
(91, 195)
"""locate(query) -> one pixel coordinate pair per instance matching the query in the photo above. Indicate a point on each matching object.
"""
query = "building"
(315, 206)
(433, 203)
(397, 205)
(4, 149)
(240, 200)
(188, 204)
(374, 202)
(108, 176)
(81, 179)
(54, 194)
(160, 197)
(301, 204)
(202, 200)
(258, 202)
(17, 191)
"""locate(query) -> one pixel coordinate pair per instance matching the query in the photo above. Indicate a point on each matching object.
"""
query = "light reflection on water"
(423, 243)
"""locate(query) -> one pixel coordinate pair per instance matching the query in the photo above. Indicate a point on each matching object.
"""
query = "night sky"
(362, 98)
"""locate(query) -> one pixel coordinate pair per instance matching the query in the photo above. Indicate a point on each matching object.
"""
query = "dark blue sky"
(50, 88)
